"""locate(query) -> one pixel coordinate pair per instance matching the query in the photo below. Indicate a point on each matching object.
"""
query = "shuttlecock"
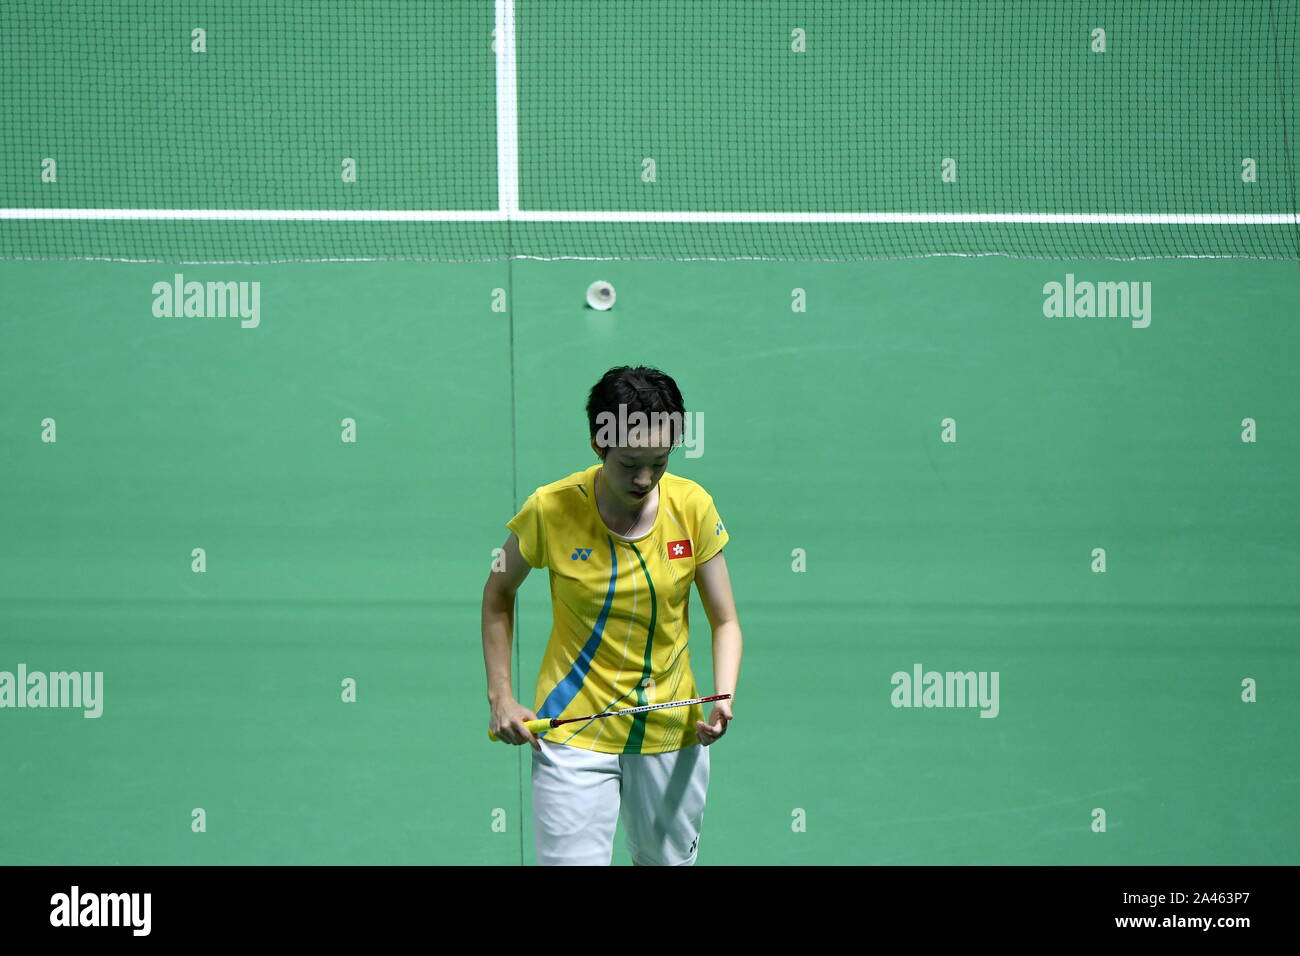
(600, 295)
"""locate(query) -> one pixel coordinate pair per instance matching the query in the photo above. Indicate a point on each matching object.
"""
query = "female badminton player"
(622, 540)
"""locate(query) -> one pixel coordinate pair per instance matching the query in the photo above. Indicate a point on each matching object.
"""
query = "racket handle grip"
(535, 726)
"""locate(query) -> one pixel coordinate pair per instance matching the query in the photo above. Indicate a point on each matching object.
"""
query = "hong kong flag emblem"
(679, 549)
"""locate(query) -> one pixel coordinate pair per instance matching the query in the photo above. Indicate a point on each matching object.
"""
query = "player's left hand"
(716, 726)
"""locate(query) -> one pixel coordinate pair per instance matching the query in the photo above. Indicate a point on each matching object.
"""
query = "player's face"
(633, 472)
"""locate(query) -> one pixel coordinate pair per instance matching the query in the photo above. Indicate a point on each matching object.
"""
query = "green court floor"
(920, 468)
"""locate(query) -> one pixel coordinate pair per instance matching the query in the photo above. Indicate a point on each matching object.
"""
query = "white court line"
(507, 110)
(705, 216)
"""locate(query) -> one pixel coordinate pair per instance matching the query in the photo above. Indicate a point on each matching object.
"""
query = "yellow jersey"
(621, 612)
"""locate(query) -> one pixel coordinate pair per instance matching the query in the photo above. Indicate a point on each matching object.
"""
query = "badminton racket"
(546, 723)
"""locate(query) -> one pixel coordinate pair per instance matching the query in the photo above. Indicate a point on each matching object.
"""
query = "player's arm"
(499, 618)
(714, 585)
(507, 581)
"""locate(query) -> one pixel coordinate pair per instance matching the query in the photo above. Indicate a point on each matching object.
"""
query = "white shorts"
(578, 795)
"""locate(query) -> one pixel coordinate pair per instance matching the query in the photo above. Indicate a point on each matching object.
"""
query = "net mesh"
(677, 129)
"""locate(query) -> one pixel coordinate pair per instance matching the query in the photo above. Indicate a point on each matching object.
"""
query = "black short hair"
(641, 389)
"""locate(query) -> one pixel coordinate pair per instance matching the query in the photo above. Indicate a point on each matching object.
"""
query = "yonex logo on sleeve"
(719, 528)
(583, 553)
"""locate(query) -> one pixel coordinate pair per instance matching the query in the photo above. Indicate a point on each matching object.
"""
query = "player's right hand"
(507, 723)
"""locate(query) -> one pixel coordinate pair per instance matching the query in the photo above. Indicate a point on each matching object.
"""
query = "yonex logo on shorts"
(583, 553)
